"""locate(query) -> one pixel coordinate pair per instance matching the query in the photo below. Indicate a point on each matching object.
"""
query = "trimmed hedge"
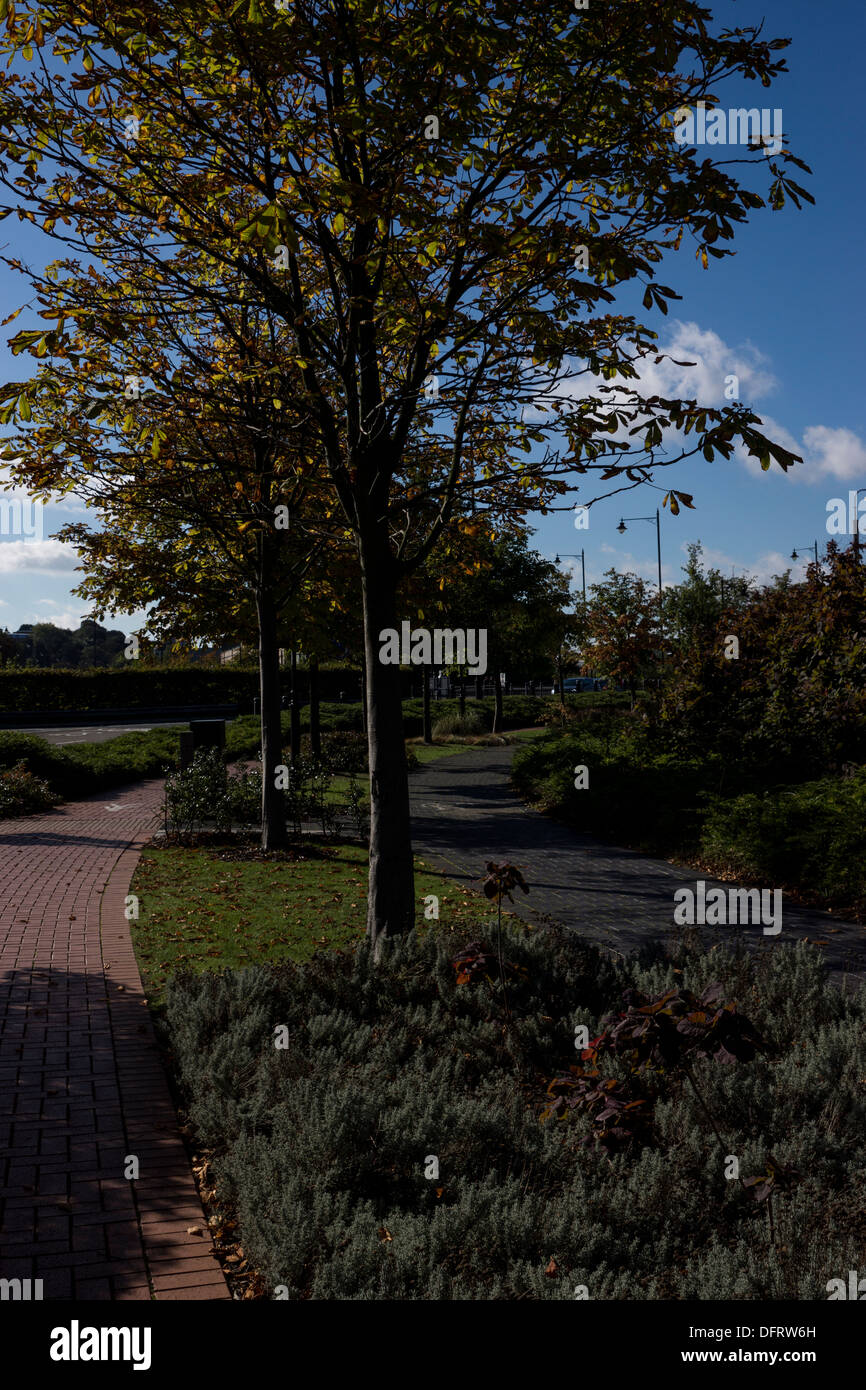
(128, 687)
(135, 686)
(73, 772)
(320, 1150)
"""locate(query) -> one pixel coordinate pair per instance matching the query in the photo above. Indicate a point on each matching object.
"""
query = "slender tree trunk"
(364, 722)
(479, 692)
(274, 834)
(462, 694)
(295, 714)
(560, 678)
(425, 705)
(497, 703)
(315, 724)
(391, 897)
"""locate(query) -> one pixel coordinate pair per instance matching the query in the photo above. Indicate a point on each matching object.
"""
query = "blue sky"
(785, 314)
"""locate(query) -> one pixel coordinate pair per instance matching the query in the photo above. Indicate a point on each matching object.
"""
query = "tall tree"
(443, 196)
(622, 628)
(793, 689)
(184, 440)
(521, 599)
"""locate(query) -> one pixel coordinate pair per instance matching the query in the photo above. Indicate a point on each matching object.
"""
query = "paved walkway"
(80, 1076)
(465, 813)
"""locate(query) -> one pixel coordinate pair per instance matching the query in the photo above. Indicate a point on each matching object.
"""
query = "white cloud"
(762, 570)
(37, 557)
(714, 361)
(827, 451)
(834, 453)
(70, 618)
(711, 362)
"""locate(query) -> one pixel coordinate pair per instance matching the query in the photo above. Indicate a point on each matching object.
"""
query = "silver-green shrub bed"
(320, 1148)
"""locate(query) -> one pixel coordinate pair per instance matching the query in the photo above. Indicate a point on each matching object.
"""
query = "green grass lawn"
(206, 907)
(431, 752)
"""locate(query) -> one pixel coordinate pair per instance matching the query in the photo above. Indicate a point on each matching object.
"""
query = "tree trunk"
(462, 694)
(295, 714)
(315, 724)
(560, 678)
(364, 727)
(391, 897)
(479, 687)
(425, 699)
(274, 834)
(497, 703)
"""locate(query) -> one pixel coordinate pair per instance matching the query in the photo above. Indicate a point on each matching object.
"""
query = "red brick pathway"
(81, 1083)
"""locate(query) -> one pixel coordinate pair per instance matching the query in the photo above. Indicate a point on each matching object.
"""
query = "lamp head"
(621, 527)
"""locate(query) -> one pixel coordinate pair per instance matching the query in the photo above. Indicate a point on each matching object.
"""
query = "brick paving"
(464, 813)
(80, 1075)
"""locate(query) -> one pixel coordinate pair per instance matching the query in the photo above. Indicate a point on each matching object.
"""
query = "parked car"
(577, 685)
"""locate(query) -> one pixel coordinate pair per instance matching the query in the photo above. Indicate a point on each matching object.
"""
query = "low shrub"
(84, 769)
(647, 800)
(244, 734)
(23, 794)
(199, 795)
(343, 751)
(811, 837)
(377, 1134)
(245, 797)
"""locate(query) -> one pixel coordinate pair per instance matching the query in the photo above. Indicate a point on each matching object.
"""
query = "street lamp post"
(657, 519)
(857, 524)
(813, 546)
(582, 558)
